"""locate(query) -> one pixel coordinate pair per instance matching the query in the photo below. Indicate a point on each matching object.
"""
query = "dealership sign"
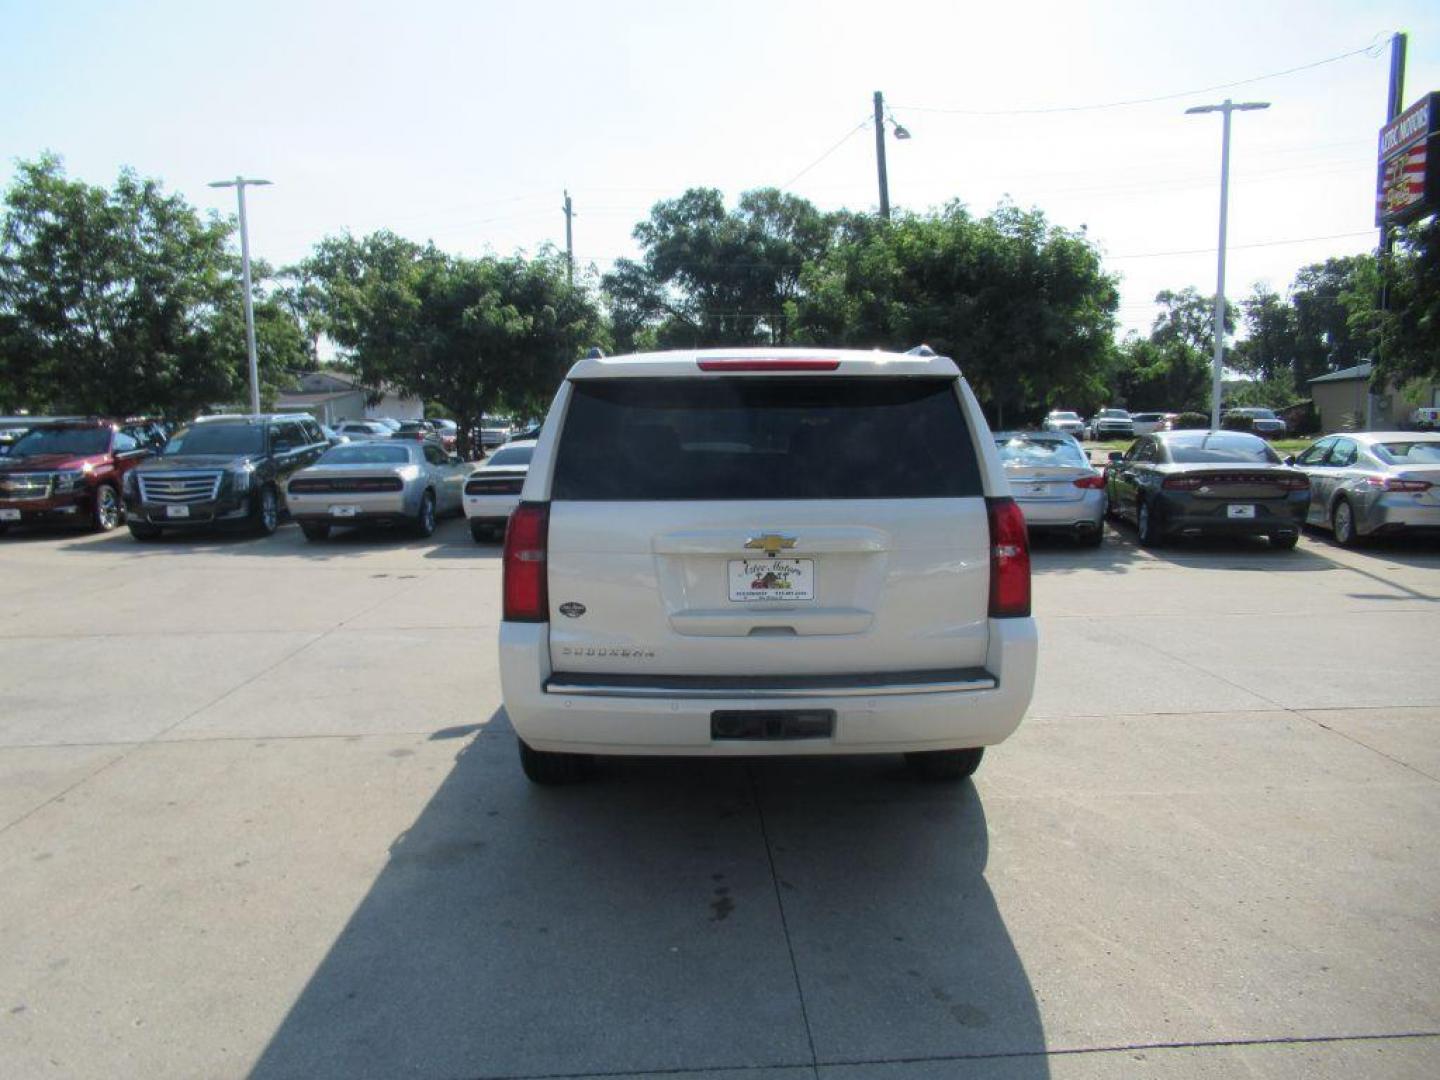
(1409, 183)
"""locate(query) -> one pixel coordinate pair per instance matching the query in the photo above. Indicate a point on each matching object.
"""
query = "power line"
(1370, 49)
(843, 140)
(1235, 247)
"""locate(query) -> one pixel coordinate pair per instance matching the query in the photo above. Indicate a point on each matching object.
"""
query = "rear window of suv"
(765, 438)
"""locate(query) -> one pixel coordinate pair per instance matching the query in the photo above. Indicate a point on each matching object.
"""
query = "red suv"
(71, 471)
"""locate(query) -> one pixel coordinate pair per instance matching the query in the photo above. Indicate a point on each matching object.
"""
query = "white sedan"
(493, 490)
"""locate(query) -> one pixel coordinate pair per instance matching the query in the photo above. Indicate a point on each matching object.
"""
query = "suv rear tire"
(551, 769)
(1285, 541)
(315, 530)
(141, 530)
(944, 765)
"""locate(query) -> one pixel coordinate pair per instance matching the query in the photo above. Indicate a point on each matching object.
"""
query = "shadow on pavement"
(660, 917)
(451, 539)
(1121, 553)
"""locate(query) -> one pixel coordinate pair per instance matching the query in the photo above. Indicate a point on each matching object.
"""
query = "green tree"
(714, 276)
(1269, 348)
(1189, 318)
(1409, 328)
(471, 335)
(1024, 307)
(123, 300)
(1168, 373)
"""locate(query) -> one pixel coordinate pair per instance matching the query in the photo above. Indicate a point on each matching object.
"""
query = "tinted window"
(1033, 450)
(1419, 452)
(1064, 416)
(78, 441)
(435, 456)
(217, 439)
(1221, 449)
(1316, 454)
(1344, 454)
(1115, 414)
(366, 454)
(765, 438)
(515, 455)
(124, 443)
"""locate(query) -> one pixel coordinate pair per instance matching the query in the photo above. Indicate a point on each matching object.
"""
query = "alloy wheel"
(107, 508)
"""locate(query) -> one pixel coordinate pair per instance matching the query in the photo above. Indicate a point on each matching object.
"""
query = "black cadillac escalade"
(221, 470)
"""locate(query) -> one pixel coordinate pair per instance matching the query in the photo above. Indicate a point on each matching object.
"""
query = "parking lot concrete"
(260, 815)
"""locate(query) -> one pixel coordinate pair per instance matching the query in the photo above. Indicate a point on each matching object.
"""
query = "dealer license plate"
(177, 511)
(1240, 511)
(772, 579)
(9, 515)
(344, 511)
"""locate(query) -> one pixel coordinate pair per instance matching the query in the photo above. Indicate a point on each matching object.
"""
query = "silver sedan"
(1054, 483)
(394, 482)
(1373, 483)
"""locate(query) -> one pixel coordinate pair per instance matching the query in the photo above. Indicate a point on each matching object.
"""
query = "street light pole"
(239, 184)
(880, 155)
(1218, 364)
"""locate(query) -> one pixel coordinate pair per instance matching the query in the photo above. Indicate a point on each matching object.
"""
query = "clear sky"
(462, 122)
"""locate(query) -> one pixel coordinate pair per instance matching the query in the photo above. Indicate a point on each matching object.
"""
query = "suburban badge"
(572, 610)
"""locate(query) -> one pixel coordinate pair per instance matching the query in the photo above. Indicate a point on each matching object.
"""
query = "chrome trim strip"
(732, 693)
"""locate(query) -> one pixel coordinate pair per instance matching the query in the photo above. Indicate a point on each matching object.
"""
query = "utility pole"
(1218, 363)
(880, 155)
(569, 242)
(1393, 108)
(239, 184)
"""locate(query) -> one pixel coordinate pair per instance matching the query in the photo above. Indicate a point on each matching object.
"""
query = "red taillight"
(1009, 560)
(1393, 483)
(527, 596)
(745, 363)
(1096, 481)
(1184, 483)
(1295, 483)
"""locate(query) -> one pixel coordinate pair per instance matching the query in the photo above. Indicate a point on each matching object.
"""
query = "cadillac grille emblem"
(770, 543)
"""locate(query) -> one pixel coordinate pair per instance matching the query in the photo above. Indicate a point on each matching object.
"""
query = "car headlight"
(70, 480)
(240, 478)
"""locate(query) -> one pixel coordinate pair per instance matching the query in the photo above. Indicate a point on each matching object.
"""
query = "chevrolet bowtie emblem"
(770, 543)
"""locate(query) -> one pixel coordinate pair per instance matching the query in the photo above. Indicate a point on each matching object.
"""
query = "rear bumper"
(369, 506)
(1187, 514)
(1087, 512)
(490, 507)
(893, 719)
(1394, 513)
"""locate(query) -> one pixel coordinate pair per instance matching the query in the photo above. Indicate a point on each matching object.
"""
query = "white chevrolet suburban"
(765, 552)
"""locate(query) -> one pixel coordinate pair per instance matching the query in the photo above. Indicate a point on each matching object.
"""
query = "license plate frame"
(751, 580)
(177, 511)
(346, 510)
(1240, 511)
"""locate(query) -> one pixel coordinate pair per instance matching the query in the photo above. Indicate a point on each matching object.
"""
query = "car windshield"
(1145, 417)
(1062, 416)
(414, 425)
(1222, 450)
(217, 439)
(1415, 452)
(1017, 451)
(1256, 414)
(515, 455)
(80, 442)
(1117, 414)
(366, 454)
